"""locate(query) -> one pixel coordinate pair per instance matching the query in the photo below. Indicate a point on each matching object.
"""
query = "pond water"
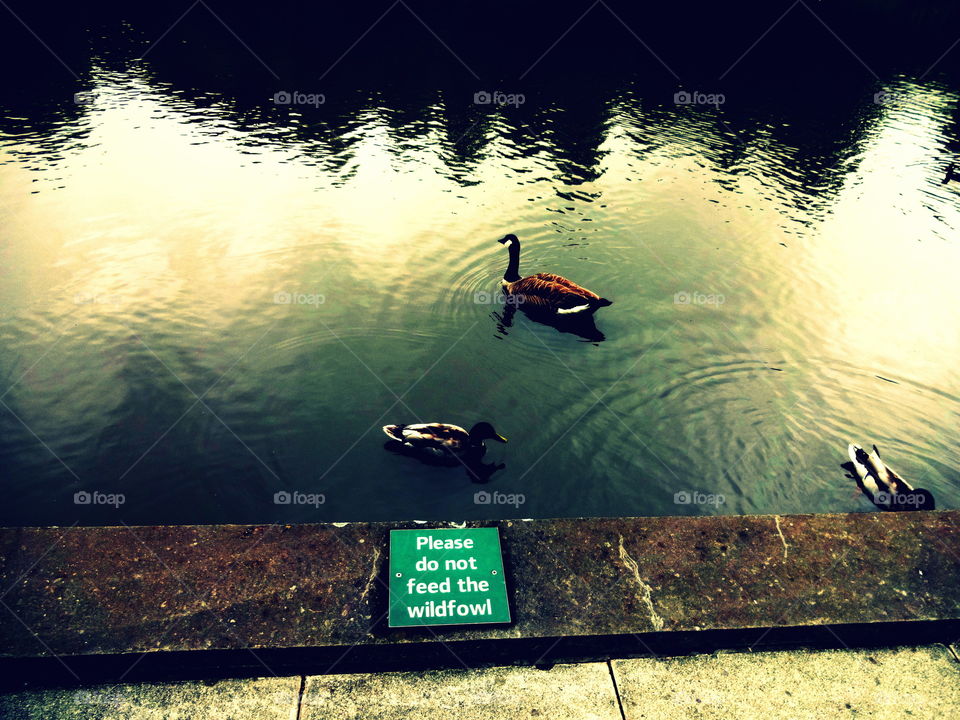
(208, 298)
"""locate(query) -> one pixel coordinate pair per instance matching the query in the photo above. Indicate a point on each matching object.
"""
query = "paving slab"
(583, 692)
(915, 682)
(253, 699)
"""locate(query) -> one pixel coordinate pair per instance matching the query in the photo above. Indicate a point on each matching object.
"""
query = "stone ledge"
(201, 598)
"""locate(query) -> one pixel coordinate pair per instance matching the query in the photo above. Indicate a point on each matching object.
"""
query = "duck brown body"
(443, 441)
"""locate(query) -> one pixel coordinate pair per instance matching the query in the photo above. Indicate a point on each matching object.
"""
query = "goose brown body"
(546, 292)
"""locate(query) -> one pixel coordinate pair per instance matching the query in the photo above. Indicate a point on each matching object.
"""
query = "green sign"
(446, 577)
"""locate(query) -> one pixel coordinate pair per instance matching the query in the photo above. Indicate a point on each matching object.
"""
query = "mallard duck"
(442, 442)
(886, 489)
(546, 292)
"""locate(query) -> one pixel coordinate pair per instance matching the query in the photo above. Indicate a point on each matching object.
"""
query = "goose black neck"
(513, 267)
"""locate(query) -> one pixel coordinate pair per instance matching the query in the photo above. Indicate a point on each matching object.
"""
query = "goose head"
(512, 244)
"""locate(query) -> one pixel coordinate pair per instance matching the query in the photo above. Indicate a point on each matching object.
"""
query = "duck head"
(484, 431)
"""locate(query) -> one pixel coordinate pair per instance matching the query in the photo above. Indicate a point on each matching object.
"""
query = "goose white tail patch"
(570, 311)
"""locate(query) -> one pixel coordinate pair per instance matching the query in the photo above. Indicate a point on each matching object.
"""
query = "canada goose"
(886, 489)
(546, 292)
(450, 444)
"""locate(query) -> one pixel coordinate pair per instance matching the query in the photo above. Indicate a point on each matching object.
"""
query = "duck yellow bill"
(501, 438)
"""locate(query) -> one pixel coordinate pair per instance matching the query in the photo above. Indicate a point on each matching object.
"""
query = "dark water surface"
(207, 298)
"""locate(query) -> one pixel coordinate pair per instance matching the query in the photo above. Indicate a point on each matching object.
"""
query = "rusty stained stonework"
(102, 590)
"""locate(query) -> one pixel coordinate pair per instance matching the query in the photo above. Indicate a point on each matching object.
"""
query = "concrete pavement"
(915, 682)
